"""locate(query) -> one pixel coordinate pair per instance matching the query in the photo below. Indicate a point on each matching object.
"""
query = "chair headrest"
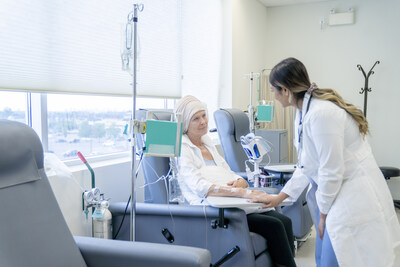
(21, 154)
(240, 122)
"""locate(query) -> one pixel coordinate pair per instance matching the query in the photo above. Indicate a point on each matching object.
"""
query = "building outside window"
(93, 125)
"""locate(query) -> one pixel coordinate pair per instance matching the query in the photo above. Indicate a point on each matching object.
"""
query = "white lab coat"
(361, 221)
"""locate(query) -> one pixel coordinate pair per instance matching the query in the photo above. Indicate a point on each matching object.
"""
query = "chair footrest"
(259, 243)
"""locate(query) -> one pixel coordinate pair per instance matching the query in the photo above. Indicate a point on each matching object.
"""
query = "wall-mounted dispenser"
(343, 18)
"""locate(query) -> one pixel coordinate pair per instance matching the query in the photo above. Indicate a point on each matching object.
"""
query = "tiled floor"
(305, 254)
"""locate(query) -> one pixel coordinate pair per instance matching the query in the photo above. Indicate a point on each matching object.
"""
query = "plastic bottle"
(175, 193)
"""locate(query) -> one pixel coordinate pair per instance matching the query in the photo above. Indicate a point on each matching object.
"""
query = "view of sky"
(15, 101)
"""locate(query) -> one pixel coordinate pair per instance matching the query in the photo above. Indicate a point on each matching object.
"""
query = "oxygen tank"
(101, 219)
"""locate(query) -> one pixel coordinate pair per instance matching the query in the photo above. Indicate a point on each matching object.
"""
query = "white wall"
(249, 25)
(202, 38)
(332, 54)
(225, 88)
(112, 178)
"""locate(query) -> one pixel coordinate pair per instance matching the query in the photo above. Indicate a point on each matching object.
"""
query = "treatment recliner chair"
(33, 231)
(231, 125)
(159, 222)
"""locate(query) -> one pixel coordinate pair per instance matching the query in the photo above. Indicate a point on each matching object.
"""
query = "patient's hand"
(253, 194)
(238, 183)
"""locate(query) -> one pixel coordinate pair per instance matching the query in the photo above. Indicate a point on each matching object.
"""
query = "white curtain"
(283, 117)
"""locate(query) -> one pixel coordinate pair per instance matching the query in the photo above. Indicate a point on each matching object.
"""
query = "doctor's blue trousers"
(324, 253)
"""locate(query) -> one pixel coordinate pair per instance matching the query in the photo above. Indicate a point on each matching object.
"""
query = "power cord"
(170, 213)
(129, 199)
(123, 218)
(206, 224)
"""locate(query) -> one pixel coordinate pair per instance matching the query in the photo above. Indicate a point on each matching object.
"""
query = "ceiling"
(270, 3)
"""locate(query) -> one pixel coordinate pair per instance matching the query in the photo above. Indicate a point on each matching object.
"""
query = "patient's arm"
(229, 191)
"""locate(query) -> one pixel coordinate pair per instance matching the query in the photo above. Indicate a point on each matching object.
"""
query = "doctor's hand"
(321, 225)
(238, 183)
(269, 200)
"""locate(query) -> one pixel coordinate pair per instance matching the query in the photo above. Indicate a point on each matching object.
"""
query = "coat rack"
(387, 172)
(365, 90)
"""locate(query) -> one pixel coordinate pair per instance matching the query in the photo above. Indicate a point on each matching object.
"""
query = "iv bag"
(175, 193)
(127, 47)
(265, 111)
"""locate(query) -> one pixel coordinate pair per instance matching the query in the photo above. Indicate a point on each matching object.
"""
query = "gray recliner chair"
(227, 237)
(196, 226)
(33, 231)
(233, 123)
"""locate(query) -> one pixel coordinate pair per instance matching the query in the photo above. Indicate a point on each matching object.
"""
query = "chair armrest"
(268, 190)
(190, 226)
(104, 252)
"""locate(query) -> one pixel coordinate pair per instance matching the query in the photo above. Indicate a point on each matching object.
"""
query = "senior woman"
(203, 172)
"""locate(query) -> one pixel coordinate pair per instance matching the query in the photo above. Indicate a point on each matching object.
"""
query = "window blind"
(74, 46)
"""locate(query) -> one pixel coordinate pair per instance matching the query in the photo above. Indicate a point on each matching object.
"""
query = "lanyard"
(307, 98)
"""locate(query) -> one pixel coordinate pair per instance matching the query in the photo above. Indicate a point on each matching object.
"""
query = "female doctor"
(348, 198)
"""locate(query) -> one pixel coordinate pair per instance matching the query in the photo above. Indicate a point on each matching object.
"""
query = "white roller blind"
(74, 46)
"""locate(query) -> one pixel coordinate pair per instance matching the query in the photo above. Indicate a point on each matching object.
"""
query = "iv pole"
(251, 107)
(134, 18)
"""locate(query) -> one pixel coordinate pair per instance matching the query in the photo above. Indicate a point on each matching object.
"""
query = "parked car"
(70, 153)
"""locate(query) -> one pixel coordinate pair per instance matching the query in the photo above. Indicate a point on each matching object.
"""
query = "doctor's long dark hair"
(290, 73)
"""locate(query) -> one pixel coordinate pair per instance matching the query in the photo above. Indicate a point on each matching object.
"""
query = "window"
(13, 106)
(93, 125)
(74, 48)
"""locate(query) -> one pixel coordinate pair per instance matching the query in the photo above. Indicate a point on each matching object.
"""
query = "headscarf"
(188, 106)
